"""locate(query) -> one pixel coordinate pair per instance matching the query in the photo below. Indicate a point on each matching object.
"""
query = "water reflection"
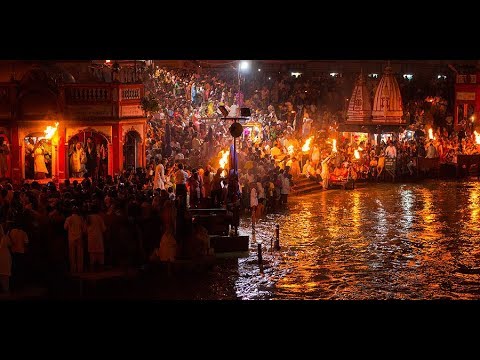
(385, 241)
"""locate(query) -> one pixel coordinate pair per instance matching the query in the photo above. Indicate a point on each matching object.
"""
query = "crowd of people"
(48, 231)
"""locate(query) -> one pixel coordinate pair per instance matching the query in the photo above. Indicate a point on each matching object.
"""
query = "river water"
(380, 241)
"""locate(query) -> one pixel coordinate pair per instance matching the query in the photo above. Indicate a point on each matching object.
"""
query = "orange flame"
(50, 131)
(430, 134)
(306, 146)
(477, 137)
(224, 159)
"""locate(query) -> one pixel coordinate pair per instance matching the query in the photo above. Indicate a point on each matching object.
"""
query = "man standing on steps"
(75, 227)
(159, 179)
(325, 173)
(181, 184)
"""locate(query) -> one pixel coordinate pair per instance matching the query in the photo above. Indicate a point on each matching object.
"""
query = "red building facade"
(467, 99)
(109, 112)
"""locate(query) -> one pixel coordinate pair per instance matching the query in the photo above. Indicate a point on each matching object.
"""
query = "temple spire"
(359, 108)
(387, 104)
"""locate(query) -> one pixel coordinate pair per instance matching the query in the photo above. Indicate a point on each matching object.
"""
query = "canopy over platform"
(370, 128)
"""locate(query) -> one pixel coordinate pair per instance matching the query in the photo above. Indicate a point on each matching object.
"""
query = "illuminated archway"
(101, 149)
(132, 150)
(8, 156)
(38, 156)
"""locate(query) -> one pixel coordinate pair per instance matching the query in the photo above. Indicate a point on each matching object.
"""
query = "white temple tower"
(387, 105)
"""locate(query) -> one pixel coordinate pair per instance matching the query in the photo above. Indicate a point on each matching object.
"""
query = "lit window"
(333, 74)
(375, 76)
(296, 74)
(408, 76)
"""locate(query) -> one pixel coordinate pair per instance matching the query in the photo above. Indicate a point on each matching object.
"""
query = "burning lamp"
(477, 137)
(356, 154)
(50, 131)
(306, 146)
(334, 146)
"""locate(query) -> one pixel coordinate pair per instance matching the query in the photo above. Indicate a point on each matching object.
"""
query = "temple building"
(467, 99)
(49, 111)
(387, 104)
(360, 106)
(380, 121)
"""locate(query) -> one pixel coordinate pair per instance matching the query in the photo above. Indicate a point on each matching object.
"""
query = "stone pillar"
(17, 171)
(110, 159)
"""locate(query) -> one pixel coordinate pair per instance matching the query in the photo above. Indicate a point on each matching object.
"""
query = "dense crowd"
(47, 231)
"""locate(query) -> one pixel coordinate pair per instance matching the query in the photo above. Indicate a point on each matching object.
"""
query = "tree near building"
(150, 104)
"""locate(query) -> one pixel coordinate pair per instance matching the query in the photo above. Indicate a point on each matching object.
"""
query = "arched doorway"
(5, 157)
(132, 150)
(95, 163)
(38, 156)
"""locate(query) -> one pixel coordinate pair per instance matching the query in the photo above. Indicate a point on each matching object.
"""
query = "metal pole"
(277, 237)
(260, 259)
(235, 207)
(235, 154)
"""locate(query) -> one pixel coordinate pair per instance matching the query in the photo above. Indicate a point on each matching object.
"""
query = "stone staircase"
(305, 186)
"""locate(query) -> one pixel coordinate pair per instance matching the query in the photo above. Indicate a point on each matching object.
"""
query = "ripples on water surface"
(383, 241)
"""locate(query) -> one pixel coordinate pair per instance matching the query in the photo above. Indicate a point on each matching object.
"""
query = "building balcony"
(100, 100)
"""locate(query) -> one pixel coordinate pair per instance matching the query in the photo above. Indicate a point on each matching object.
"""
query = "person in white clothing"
(391, 151)
(95, 229)
(159, 179)
(75, 227)
(431, 151)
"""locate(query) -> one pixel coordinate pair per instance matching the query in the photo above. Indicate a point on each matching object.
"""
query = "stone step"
(312, 188)
(302, 181)
(305, 185)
